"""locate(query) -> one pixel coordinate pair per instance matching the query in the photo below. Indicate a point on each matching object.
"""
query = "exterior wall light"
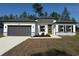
(5, 26)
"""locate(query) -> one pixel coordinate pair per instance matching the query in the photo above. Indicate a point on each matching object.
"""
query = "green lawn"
(68, 45)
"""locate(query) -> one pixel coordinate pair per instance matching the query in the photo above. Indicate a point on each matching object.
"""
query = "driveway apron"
(7, 43)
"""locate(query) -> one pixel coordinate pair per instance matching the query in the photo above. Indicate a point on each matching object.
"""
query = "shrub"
(42, 34)
(48, 35)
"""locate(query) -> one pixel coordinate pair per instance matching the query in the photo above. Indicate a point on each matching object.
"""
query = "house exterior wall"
(5, 29)
(34, 28)
(74, 28)
(56, 28)
(66, 33)
(46, 27)
(53, 29)
(70, 34)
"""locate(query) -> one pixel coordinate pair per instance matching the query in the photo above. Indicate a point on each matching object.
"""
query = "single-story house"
(38, 25)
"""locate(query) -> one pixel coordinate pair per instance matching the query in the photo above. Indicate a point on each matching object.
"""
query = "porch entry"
(50, 28)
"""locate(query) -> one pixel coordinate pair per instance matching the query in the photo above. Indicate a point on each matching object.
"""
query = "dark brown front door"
(50, 29)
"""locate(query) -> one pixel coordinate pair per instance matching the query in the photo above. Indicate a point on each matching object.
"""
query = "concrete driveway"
(7, 43)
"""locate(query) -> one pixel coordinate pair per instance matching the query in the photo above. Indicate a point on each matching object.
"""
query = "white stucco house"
(38, 25)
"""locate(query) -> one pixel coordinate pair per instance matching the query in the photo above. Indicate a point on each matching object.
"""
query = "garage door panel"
(19, 30)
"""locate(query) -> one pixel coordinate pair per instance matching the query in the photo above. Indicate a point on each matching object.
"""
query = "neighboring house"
(38, 25)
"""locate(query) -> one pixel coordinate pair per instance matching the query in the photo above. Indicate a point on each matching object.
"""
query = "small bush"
(42, 35)
(48, 35)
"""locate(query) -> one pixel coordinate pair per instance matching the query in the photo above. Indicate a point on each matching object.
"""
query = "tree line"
(38, 9)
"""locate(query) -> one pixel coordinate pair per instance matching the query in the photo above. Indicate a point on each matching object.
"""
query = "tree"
(16, 16)
(30, 16)
(5, 17)
(41, 14)
(1, 17)
(11, 16)
(23, 15)
(65, 14)
(55, 15)
(45, 14)
(38, 9)
(73, 19)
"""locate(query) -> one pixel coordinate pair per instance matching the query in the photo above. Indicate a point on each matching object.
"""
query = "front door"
(50, 29)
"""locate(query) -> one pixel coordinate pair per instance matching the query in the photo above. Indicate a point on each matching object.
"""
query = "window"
(61, 28)
(68, 28)
(65, 28)
(42, 28)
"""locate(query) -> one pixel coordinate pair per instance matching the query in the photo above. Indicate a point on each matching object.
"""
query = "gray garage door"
(19, 30)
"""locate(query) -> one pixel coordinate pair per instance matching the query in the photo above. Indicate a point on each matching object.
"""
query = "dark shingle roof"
(66, 21)
(40, 19)
(18, 20)
(44, 17)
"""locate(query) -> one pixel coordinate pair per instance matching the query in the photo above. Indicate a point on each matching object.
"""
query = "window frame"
(60, 28)
(64, 28)
(42, 29)
(70, 28)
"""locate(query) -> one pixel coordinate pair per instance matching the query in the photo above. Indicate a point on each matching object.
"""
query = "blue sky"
(18, 8)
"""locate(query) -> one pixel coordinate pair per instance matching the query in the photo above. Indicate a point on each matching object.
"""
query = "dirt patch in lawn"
(46, 47)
